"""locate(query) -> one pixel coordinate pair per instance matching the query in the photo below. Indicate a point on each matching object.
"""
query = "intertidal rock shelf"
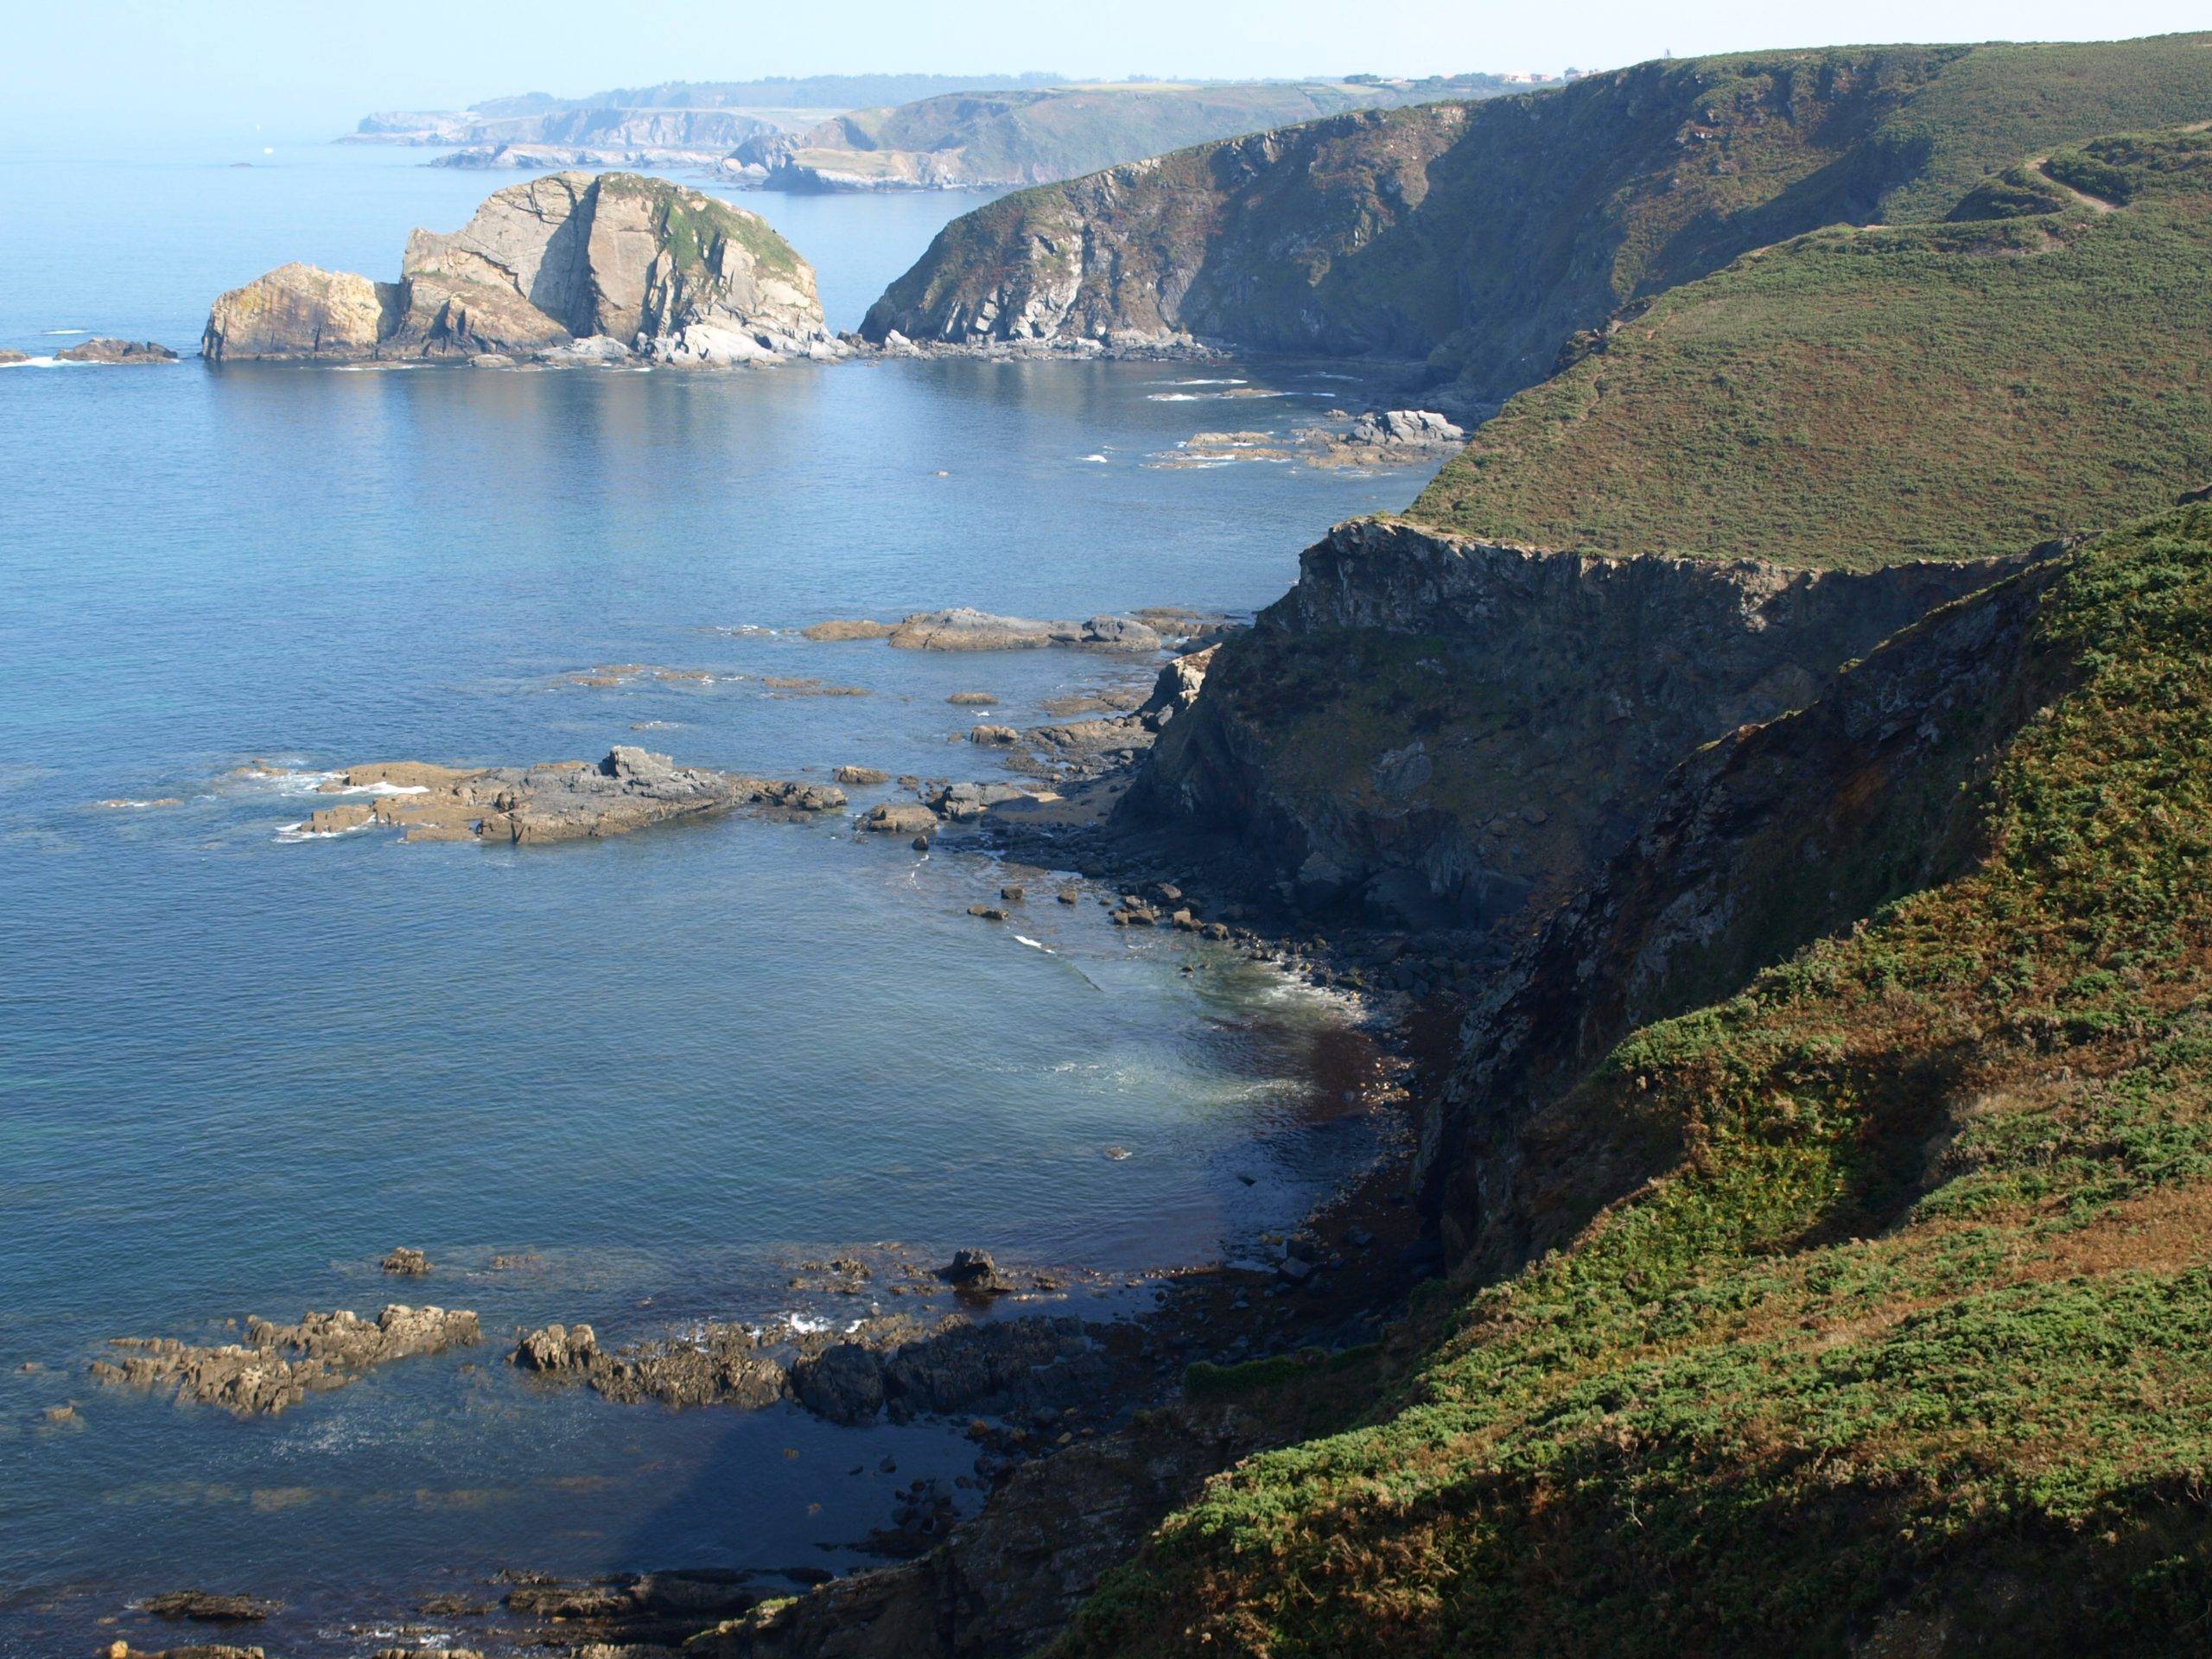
(279, 1365)
(963, 628)
(561, 800)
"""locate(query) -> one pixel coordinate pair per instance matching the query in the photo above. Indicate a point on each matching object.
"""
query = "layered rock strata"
(574, 267)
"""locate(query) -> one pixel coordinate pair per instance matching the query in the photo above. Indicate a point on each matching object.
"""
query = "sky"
(308, 68)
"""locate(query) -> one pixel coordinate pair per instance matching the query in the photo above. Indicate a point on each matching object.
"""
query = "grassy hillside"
(1484, 236)
(1895, 1333)
(1851, 398)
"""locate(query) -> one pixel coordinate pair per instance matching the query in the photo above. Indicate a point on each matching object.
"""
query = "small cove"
(234, 1069)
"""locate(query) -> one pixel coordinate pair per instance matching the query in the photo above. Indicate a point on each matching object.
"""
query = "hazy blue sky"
(299, 69)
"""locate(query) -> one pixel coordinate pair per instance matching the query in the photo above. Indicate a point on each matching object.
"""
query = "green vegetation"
(1907, 1339)
(1034, 135)
(1482, 236)
(1853, 398)
(694, 225)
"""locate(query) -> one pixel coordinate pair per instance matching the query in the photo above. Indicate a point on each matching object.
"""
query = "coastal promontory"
(574, 266)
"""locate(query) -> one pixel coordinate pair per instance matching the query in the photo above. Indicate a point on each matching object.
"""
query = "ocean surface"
(237, 1064)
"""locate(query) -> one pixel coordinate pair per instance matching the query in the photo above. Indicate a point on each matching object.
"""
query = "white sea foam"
(1023, 938)
(1098, 460)
(1209, 396)
(65, 331)
(1197, 382)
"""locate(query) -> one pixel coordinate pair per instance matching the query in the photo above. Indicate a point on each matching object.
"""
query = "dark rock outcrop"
(1759, 843)
(1429, 731)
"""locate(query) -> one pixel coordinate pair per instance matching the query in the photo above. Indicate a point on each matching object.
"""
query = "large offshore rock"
(302, 311)
(626, 264)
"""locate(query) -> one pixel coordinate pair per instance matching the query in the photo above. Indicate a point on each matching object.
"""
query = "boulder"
(976, 1273)
(899, 818)
(1405, 429)
(404, 1260)
(862, 776)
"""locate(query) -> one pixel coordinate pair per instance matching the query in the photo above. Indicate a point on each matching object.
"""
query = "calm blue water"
(235, 1068)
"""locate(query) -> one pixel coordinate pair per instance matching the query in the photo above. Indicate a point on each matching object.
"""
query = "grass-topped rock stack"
(571, 267)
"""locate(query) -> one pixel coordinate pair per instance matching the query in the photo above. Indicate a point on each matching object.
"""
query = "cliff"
(1479, 238)
(974, 140)
(1433, 731)
(636, 265)
(1860, 1269)
(1454, 716)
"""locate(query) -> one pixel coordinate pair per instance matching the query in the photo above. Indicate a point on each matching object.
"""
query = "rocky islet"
(572, 268)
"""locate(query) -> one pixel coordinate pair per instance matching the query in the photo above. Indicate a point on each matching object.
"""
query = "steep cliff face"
(649, 266)
(1482, 236)
(1756, 845)
(1430, 731)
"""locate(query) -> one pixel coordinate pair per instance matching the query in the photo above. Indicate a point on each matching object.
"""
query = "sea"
(239, 1063)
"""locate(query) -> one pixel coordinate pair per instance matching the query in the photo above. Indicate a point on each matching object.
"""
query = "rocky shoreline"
(1085, 1429)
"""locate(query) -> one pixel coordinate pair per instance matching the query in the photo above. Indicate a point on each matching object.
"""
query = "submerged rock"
(208, 1609)
(279, 1365)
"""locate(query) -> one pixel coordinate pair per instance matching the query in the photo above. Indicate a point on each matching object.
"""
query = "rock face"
(1377, 746)
(1772, 836)
(279, 1365)
(564, 800)
(575, 266)
(1477, 238)
(303, 311)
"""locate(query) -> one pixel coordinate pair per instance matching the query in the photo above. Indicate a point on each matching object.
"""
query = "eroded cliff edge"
(574, 266)
(1434, 732)
(1478, 238)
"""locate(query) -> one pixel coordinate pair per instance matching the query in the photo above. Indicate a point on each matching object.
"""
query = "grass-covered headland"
(1906, 1340)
